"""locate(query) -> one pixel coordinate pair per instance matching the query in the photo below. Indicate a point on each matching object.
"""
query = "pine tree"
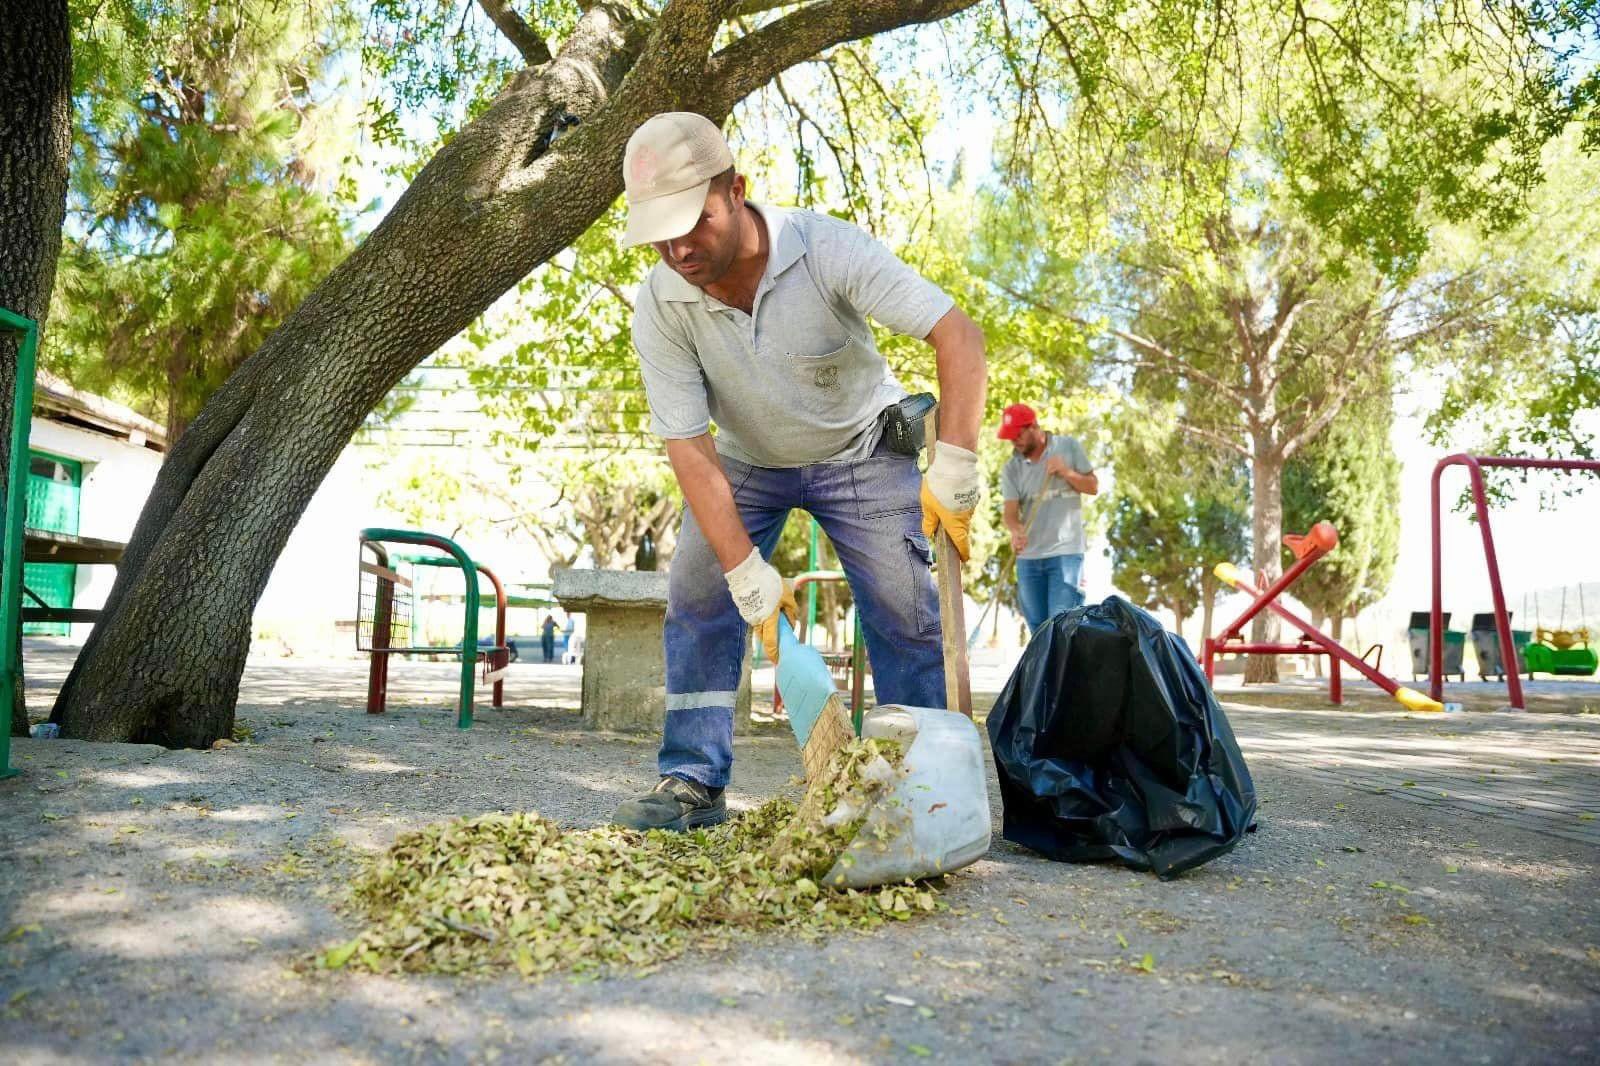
(1349, 476)
(202, 196)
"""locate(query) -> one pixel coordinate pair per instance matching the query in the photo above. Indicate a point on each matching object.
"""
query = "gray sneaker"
(673, 804)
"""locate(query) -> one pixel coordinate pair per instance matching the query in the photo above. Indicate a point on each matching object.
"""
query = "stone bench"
(624, 668)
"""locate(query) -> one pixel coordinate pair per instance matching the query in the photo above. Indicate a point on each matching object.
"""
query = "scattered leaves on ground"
(503, 891)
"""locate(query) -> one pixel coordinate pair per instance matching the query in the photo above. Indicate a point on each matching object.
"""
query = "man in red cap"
(1043, 485)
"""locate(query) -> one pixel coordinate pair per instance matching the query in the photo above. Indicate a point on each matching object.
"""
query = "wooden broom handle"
(952, 608)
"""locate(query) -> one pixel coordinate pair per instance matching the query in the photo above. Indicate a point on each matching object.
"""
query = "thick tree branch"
(668, 75)
(746, 8)
(528, 43)
(755, 59)
(579, 82)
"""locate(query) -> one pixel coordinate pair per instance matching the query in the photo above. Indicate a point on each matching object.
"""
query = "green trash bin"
(1455, 646)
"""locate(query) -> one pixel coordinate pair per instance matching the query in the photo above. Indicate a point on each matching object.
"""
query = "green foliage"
(1243, 206)
(437, 64)
(1514, 324)
(206, 198)
(557, 365)
(1376, 115)
(1349, 476)
(1177, 510)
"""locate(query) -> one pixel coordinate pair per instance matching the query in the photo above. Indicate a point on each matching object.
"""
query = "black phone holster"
(904, 423)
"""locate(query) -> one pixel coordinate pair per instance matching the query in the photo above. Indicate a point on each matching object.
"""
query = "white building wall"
(310, 599)
(117, 477)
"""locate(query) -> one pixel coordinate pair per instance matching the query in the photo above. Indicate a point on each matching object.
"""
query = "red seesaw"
(1322, 539)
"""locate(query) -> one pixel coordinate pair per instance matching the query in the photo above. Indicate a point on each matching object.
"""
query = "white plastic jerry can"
(935, 817)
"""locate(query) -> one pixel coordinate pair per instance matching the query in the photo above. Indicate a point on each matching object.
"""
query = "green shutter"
(55, 486)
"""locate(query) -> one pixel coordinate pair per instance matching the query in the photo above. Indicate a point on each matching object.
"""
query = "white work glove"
(950, 495)
(760, 592)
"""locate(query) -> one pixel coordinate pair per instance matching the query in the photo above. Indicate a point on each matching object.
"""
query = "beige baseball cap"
(667, 169)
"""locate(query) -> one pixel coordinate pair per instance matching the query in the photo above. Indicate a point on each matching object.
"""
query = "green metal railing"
(382, 604)
(16, 507)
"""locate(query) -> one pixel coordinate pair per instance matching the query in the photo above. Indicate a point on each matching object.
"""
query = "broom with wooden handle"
(816, 714)
(952, 607)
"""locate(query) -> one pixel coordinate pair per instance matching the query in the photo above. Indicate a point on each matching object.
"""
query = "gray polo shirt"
(799, 380)
(1052, 510)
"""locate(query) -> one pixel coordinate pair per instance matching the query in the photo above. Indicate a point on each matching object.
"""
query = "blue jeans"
(1048, 586)
(870, 511)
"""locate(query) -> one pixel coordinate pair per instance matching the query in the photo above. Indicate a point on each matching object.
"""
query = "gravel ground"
(158, 905)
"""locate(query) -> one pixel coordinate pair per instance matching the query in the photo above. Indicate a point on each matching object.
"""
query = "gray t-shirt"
(1052, 510)
(800, 380)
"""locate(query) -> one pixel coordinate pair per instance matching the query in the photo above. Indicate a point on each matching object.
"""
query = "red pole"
(382, 609)
(1502, 621)
(1262, 599)
(498, 658)
(1326, 643)
(1436, 615)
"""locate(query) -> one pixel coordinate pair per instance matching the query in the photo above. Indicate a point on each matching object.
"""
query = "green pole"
(16, 509)
(469, 570)
(811, 564)
(469, 645)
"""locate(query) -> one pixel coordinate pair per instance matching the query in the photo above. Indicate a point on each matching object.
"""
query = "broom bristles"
(832, 731)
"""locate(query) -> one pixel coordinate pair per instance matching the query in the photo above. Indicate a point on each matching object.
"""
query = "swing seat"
(1563, 662)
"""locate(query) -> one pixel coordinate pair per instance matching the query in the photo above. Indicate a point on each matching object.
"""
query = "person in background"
(547, 638)
(1043, 485)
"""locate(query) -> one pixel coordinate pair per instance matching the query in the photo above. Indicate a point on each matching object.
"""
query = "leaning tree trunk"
(35, 139)
(1266, 534)
(498, 200)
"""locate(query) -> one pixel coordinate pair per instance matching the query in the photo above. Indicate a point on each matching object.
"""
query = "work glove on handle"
(950, 495)
(760, 593)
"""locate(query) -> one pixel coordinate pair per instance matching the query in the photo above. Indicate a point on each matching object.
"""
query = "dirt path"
(154, 903)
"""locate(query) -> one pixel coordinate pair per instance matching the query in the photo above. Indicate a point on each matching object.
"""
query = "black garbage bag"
(1110, 745)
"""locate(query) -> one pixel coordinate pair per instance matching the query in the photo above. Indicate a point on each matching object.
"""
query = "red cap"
(1015, 419)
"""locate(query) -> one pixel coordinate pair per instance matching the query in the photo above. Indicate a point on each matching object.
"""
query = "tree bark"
(1266, 535)
(1208, 606)
(35, 141)
(498, 200)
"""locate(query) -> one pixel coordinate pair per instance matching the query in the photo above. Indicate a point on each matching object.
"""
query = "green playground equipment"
(1561, 651)
(16, 503)
(385, 616)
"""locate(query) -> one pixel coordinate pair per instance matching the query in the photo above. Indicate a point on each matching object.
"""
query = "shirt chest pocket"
(804, 338)
(822, 367)
(832, 382)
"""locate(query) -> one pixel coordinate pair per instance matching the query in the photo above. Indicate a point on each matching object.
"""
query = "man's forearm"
(963, 377)
(1086, 484)
(1011, 515)
(710, 498)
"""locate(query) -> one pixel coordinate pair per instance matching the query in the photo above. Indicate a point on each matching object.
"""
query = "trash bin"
(1110, 745)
